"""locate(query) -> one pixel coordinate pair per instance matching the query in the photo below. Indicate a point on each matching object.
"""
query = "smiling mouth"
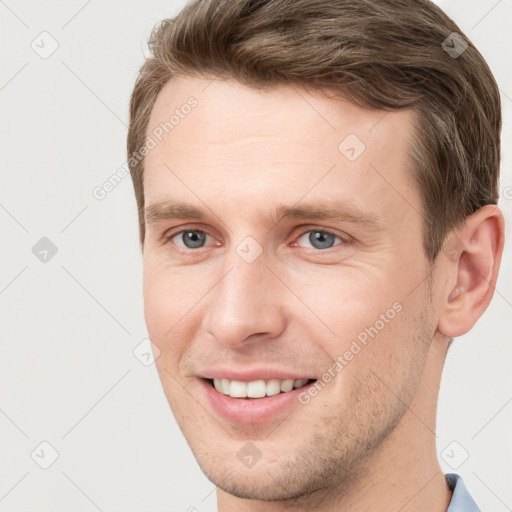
(257, 388)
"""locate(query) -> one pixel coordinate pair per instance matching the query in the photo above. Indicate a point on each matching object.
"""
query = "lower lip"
(251, 410)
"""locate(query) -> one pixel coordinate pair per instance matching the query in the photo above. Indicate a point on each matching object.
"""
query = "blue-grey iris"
(195, 238)
(321, 239)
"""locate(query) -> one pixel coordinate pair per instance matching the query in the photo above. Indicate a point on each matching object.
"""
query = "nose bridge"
(243, 302)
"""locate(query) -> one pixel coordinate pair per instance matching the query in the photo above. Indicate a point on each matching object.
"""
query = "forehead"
(228, 108)
(278, 145)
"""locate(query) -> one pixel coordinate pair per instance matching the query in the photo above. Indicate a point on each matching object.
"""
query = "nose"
(245, 305)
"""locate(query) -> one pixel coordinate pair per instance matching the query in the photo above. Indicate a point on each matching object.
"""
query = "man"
(317, 188)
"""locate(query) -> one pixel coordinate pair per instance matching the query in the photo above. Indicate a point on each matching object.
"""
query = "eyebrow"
(341, 211)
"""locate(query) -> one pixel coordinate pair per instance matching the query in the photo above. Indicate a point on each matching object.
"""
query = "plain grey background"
(70, 323)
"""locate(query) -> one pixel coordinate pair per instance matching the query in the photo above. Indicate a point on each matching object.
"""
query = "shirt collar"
(461, 499)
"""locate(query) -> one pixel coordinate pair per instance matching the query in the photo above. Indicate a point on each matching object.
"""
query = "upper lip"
(252, 374)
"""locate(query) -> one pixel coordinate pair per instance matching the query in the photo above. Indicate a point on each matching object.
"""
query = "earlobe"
(471, 261)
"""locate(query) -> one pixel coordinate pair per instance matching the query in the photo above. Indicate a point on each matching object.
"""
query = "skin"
(366, 441)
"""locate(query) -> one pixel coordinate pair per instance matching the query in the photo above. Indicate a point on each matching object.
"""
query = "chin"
(258, 485)
(283, 477)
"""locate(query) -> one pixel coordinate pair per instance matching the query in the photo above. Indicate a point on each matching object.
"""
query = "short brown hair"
(384, 54)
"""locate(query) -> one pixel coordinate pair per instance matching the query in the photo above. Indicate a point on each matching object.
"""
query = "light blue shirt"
(461, 499)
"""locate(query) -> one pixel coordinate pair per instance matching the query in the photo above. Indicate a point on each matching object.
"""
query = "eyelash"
(344, 240)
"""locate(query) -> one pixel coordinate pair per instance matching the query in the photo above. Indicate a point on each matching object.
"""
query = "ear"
(472, 259)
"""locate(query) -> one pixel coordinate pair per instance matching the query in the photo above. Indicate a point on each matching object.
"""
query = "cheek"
(155, 303)
(347, 302)
(364, 316)
(163, 304)
(172, 308)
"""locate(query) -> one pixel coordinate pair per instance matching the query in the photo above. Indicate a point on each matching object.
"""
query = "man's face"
(264, 297)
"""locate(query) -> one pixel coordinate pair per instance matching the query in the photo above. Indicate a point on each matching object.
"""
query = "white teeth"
(287, 385)
(224, 386)
(238, 389)
(256, 388)
(273, 387)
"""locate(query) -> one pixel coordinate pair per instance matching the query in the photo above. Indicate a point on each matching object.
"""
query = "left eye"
(320, 239)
